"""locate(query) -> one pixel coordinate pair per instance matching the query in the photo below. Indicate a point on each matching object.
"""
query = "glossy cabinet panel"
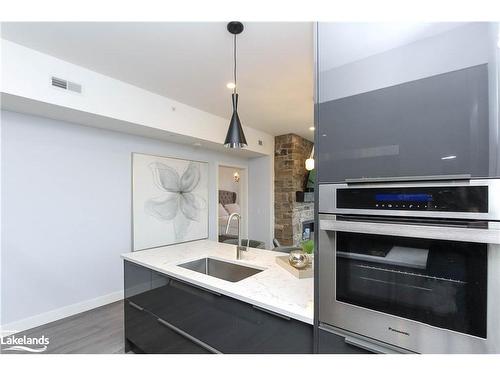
(221, 322)
(137, 280)
(428, 127)
(146, 332)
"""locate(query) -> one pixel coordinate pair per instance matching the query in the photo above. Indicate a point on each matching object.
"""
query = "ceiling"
(192, 62)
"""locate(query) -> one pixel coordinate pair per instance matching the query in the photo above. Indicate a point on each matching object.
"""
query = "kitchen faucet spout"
(239, 248)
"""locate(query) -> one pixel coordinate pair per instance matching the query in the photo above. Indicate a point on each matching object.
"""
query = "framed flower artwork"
(169, 201)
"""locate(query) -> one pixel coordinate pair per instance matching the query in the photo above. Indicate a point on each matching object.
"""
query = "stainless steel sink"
(220, 269)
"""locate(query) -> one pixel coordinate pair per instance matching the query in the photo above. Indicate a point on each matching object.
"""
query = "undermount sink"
(220, 269)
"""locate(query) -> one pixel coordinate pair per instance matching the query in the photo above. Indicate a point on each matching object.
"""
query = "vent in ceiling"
(66, 85)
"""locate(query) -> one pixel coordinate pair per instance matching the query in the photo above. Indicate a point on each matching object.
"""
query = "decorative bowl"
(298, 259)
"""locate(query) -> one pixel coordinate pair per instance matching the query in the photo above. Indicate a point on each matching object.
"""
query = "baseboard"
(63, 312)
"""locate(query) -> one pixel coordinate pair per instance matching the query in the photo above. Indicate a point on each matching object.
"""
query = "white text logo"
(24, 343)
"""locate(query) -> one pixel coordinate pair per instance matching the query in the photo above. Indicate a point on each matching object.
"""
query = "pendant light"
(235, 137)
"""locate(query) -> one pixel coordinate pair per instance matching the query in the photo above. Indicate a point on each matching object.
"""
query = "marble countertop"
(274, 288)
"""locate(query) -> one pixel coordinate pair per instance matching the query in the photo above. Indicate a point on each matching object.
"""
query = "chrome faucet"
(239, 248)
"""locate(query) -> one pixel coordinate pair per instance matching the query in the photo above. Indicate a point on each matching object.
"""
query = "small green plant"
(308, 246)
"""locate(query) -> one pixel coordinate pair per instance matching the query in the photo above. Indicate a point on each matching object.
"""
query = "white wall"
(226, 180)
(66, 212)
(261, 199)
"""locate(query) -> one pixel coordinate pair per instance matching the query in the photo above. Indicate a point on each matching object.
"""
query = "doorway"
(233, 198)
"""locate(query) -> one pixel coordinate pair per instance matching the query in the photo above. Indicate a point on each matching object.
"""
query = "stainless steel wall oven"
(412, 266)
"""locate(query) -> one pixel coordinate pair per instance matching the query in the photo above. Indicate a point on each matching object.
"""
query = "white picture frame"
(169, 201)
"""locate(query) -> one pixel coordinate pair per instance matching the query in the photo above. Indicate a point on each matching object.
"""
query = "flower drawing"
(179, 203)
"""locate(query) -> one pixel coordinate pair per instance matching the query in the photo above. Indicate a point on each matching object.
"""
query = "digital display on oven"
(427, 198)
(403, 197)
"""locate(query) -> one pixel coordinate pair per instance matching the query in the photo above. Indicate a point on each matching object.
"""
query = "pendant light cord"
(234, 53)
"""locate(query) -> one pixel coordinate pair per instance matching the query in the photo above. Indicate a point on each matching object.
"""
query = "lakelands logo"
(24, 343)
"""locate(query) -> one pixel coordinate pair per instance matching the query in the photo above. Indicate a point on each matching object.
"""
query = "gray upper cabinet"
(428, 127)
(407, 100)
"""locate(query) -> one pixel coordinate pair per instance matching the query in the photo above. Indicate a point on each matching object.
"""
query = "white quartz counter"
(274, 288)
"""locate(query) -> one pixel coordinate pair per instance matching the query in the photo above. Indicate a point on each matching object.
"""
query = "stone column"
(291, 152)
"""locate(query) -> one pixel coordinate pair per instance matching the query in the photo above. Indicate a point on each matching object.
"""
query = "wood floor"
(97, 331)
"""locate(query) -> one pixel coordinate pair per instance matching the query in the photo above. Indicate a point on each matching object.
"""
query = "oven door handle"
(447, 233)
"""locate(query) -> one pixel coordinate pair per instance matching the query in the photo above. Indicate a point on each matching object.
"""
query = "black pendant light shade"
(235, 138)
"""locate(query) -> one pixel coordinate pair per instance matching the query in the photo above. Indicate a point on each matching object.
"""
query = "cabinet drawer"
(223, 323)
(227, 324)
(151, 335)
(330, 343)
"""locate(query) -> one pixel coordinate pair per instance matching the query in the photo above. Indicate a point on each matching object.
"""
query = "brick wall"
(290, 154)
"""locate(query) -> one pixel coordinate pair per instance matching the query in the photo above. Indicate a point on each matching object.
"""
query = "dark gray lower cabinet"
(146, 333)
(177, 317)
(330, 343)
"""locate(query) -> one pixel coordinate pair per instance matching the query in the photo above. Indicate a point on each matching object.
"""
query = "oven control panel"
(433, 198)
